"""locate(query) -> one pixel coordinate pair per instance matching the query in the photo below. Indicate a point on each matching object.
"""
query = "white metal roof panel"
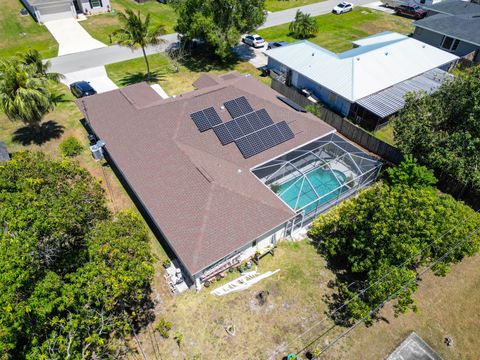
(368, 69)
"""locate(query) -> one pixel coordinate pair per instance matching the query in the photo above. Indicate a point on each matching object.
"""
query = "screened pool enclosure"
(317, 176)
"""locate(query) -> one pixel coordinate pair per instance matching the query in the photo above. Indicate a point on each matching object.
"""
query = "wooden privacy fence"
(343, 126)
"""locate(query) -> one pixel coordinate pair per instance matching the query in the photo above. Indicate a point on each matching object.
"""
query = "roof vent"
(424, 46)
(358, 59)
(386, 53)
(222, 107)
(313, 54)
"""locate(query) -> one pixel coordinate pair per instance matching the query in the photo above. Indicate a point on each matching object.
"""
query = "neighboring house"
(367, 83)
(452, 26)
(216, 195)
(48, 10)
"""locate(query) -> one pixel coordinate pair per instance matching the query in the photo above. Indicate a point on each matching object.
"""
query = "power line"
(376, 282)
(354, 326)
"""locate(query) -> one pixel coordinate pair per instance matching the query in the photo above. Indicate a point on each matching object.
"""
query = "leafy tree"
(219, 23)
(25, 94)
(390, 231)
(73, 283)
(304, 26)
(410, 173)
(137, 33)
(443, 130)
(42, 67)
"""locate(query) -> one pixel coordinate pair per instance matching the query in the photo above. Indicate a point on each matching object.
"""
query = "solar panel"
(238, 107)
(223, 134)
(234, 129)
(244, 125)
(285, 130)
(275, 134)
(244, 105)
(256, 143)
(291, 103)
(244, 146)
(212, 116)
(233, 108)
(265, 119)
(266, 138)
(200, 120)
(254, 121)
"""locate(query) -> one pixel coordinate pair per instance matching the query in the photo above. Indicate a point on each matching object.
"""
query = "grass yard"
(278, 5)
(447, 306)
(336, 32)
(386, 134)
(174, 83)
(19, 33)
(101, 26)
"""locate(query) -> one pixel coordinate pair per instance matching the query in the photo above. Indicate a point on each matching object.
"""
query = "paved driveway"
(256, 57)
(97, 77)
(71, 36)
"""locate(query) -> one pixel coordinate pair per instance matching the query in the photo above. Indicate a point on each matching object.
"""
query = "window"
(449, 43)
(95, 3)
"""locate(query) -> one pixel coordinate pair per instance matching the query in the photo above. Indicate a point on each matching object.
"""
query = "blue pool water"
(324, 182)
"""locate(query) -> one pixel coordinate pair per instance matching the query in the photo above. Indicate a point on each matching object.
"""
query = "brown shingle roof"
(201, 194)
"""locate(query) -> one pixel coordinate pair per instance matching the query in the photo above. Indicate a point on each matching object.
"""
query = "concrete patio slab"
(71, 36)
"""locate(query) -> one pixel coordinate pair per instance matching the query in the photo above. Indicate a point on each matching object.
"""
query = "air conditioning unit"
(97, 150)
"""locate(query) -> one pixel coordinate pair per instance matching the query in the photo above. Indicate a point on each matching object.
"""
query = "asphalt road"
(112, 54)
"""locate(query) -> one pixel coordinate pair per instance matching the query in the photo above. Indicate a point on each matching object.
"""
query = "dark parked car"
(276, 44)
(82, 88)
(414, 11)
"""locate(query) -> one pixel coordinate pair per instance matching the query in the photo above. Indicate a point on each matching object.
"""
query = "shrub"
(166, 263)
(178, 338)
(411, 174)
(70, 146)
(163, 328)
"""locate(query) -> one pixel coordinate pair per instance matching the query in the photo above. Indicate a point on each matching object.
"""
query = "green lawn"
(386, 134)
(278, 5)
(100, 26)
(19, 33)
(336, 32)
(174, 83)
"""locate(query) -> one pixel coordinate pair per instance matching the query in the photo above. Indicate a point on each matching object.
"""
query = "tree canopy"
(443, 130)
(137, 33)
(304, 26)
(26, 92)
(392, 230)
(220, 23)
(74, 281)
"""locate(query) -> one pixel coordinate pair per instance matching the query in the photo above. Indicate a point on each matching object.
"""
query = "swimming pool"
(298, 193)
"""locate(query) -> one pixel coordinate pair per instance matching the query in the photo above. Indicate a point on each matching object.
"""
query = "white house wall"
(86, 7)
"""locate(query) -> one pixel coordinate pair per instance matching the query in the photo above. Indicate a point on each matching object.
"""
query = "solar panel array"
(239, 106)
(206, 119)
(264, 139)
(252, 131)
(242, 126)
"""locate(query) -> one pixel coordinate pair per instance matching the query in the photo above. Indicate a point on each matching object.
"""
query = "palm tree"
(136, 33)
(32, 57)
(24, 95)
(304, 26)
